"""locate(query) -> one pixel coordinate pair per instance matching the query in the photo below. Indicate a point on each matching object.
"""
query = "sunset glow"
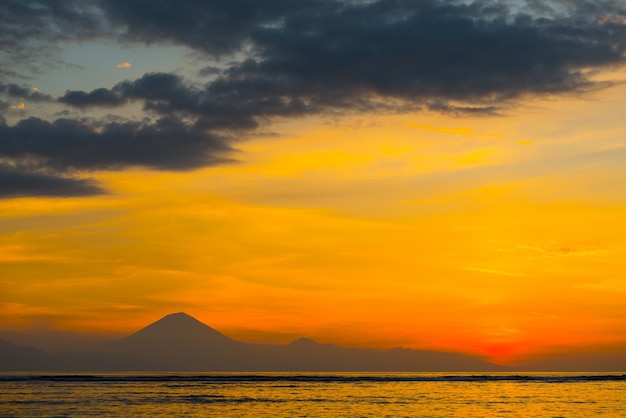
(497, 232)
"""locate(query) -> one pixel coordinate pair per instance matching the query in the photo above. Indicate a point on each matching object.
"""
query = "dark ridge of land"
(179, 342)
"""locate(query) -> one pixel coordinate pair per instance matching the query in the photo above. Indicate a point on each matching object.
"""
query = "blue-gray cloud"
(24, 93)
(67, 145)
(15, 182)
(296, 58)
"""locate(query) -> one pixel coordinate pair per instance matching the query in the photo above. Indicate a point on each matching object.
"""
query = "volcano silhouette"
(176, 329)
(180, 342)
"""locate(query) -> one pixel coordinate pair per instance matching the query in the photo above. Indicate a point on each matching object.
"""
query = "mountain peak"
(176, 329)
(179, 316)
(304, 342)
(177, 323)
(179, 341)
(181, 313)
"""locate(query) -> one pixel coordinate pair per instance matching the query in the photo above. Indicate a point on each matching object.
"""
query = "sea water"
(314, 395)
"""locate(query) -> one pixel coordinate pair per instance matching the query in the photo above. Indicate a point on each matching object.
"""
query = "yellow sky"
(501, 236)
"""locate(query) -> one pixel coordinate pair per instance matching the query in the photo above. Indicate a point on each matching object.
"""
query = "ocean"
(313, 395)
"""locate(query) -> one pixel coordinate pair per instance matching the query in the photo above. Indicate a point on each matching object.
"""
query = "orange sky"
(496, 235)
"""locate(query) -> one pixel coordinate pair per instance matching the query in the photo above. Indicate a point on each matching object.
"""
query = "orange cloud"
(452, 131)
(20, 106)
(124, 64)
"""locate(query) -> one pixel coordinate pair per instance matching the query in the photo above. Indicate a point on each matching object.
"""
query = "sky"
(443, 175)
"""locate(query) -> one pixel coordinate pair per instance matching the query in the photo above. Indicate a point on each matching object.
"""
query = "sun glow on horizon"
(380, 237)
(433, 175)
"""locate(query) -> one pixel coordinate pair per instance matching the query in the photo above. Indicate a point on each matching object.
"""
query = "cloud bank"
(288, 59)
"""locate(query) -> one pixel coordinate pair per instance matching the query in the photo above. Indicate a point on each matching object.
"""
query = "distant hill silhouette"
(15, 357)
(614, 360)
(179, 342)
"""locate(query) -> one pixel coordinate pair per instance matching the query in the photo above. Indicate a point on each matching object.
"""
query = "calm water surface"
(313, 395)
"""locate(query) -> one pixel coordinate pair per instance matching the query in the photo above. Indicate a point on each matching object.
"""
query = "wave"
(314, 378)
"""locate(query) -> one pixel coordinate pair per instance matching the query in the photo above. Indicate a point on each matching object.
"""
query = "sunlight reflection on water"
(289, 395)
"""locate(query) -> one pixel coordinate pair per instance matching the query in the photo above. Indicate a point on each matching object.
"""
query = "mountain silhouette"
(15, 357)
(174, 330)
(303, 342)
(179, 342)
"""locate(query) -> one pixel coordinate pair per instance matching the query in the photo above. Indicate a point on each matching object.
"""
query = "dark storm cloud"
(153, 88)
(24, 93)
(315, 55)
(23, 183)
(218, 27)
(68, 145)
(334, 52)
(97, 97)
(160, 92)
(285, 58)
(220, 105)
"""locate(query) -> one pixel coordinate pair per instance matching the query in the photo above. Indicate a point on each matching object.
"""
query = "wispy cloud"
(558, 249)
(453, 131)
(124, 64)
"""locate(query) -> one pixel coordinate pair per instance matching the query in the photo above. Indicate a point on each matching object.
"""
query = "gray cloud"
(314, 55)
(216, 106)
(97, 97)
(31, 29)
(296, 58)
(67, 145)
(411, 49)
(217, 27)
(23, 183)
(24, 93)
